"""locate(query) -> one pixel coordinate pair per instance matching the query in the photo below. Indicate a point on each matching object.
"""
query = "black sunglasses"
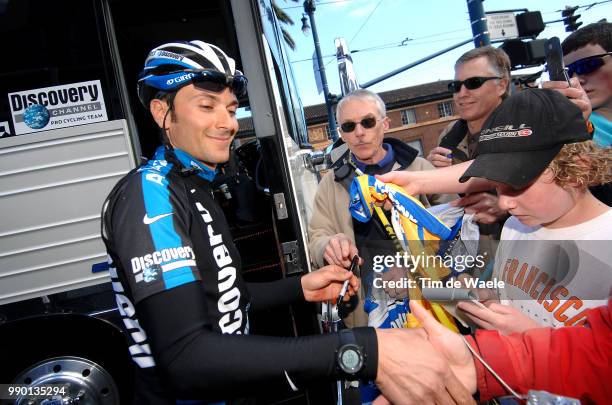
(471, 83)
(367, 123)
(211, 80)
(586, 65)
(216, 82)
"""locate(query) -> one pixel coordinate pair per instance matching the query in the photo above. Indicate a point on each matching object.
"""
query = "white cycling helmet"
(176, 64)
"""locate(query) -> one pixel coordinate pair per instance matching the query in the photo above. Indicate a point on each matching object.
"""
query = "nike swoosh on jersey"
(149, 221)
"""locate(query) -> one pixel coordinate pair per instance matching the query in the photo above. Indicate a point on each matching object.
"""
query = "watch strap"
(347, 337)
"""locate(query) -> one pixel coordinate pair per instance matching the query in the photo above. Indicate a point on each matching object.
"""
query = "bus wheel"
(75, 380)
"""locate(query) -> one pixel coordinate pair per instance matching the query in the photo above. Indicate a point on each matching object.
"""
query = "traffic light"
(529, 24)
(569, 19)
(524, 53)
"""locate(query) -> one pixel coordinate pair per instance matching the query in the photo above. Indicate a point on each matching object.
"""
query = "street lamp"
(309, 8)
(305, 25)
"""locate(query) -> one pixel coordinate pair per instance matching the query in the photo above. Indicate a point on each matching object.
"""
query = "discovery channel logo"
(36, 116)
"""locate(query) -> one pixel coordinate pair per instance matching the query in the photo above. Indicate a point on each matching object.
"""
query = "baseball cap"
(523, 135)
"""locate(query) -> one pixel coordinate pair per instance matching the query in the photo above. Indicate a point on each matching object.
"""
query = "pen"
(351, 268)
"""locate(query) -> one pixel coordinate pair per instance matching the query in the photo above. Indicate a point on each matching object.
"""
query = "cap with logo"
(523, 135)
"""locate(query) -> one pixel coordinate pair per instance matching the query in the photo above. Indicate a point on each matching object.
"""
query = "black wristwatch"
(349, 357)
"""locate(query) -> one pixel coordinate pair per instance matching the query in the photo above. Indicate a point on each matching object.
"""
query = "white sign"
(57, 107)
(502, 26)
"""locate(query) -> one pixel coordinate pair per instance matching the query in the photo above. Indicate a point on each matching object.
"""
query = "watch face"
(350, 359)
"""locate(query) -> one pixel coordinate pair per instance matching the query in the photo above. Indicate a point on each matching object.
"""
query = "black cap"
(523, 135)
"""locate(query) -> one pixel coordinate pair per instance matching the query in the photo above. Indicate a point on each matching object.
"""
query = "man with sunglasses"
(176, 272)
(334, 236)
(588, 56)
(482, 79)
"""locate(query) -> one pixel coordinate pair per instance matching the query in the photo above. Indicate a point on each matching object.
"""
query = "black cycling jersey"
(185, 306)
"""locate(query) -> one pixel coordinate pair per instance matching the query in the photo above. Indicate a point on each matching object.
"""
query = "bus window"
(55, 67)
(286, 80)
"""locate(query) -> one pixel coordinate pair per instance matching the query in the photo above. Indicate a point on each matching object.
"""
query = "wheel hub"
(87, 383)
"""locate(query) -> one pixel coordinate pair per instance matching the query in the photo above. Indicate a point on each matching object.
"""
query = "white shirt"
(555, 275)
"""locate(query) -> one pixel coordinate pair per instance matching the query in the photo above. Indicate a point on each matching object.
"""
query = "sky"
(375, 30)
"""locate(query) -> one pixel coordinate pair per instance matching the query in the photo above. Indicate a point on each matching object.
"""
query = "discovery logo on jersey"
(164, 260)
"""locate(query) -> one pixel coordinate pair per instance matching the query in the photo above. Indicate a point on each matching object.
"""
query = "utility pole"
(309, 8)
(478, 20)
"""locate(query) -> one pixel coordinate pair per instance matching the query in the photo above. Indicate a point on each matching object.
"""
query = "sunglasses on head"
(211, 80)
(367, 123)
(216, 82)
(471, 83)
(586, 65)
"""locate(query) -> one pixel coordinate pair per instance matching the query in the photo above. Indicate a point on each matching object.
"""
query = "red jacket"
(570, 361)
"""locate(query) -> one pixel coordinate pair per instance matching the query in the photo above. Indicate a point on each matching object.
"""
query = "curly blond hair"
(582, 164)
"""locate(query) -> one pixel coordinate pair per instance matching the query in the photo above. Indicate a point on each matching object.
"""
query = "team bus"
(71, 126)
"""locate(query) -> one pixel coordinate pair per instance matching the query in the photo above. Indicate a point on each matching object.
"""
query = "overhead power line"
(381, 47)
(589, 6)
(411, 40)
(586, 7)
(365, 22)
(319, 3)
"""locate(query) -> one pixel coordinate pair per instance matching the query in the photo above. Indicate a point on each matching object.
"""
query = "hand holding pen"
(325, 283)
(352, 268)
